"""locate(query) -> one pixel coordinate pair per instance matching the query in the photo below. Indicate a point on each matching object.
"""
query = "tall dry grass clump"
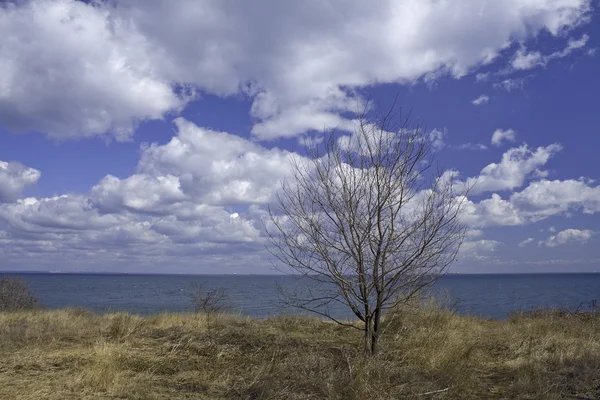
(428, 352)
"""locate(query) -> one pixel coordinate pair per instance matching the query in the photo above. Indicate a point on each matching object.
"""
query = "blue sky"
(149, 136)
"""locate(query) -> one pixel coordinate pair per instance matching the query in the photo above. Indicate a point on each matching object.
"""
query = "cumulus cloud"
(481, 100)
(69, 69)
(69, 231)
(474, 247)
(198, 198)
(567, 236)
(73, 69)
(494, 211)
(538, 201)
(139, 192)
(109, 65)
(14, 177)
(436, 137)
(474, 233)
(546, 198)
(500, 136)
(517, 164)
(52, 215)
(217, 168)
(478, 249)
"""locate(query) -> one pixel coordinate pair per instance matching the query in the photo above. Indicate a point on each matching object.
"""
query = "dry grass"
(73, 354)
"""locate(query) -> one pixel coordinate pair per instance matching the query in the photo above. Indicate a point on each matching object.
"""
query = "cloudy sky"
(149, 135)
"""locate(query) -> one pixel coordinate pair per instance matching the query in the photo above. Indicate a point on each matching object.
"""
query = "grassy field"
(426, 354)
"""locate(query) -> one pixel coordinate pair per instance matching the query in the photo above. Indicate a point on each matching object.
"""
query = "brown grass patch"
(74, 354)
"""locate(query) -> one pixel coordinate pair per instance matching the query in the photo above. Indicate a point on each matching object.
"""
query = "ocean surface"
(490, 296)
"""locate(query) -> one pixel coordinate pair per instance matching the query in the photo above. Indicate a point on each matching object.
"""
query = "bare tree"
(367, 219)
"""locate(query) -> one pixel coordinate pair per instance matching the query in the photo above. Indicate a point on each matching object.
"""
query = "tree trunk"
(375, 332)
(374, 343)
(372, 334)
(368, 335)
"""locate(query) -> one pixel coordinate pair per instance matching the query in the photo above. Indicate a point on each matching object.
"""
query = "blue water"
(490, 296)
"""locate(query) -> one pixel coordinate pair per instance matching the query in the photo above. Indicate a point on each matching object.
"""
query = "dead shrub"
(15, 295)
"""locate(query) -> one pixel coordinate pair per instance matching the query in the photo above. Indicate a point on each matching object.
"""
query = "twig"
(434, 392)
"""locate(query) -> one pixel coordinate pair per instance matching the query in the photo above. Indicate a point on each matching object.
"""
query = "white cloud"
(436, 137)
(546, 198)
(53, 215)
(309, 141)
(538, 201)
(490, 212)
(474, 233)
(482, 76)
(359, 137)
(71, 69)
(194, 200)
(200, 198)
(475, 247)
(541, 198)
(526, 242)
(510, 84)
(69, 232)
(107, 66)
(139, 192)
(14, 177)
(481, 100)
(527, 60)
(571, 46)
(68, 69)
(478, 249)
(500, 136)
(472, 146)
(567, 236)
(517, 164)
(217, 167)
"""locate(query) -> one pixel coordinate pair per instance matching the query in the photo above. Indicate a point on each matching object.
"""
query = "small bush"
(15, 295)
(209, 301)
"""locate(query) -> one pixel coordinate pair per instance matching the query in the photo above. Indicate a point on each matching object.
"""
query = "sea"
(486, 295)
